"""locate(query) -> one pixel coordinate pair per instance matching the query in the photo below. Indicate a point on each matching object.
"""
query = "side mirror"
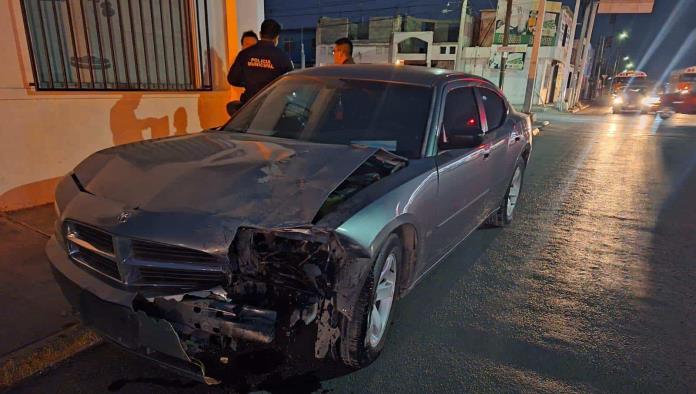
(461, 138)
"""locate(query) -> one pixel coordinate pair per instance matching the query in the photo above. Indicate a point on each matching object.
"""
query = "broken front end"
(285, 291)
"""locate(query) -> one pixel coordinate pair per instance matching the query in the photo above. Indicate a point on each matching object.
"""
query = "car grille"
(98, 262)
(100, 239)
(93, 248)
(151, 251)
(166, 276)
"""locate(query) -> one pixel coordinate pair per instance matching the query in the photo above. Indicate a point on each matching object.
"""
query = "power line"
(320, 13)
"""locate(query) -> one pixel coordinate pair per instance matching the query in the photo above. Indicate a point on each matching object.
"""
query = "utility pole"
(458, 63)
(578, 53)
(506, 37)
(578, 88)
(531, 78)
(569, 54)
(302, 54)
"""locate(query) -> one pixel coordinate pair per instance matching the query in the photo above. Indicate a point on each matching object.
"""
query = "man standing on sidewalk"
(256, 66)
(343, 51)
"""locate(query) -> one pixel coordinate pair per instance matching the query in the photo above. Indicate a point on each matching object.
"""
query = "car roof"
(416, 75)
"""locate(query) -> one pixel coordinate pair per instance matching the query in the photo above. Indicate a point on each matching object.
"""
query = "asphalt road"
(592, 289)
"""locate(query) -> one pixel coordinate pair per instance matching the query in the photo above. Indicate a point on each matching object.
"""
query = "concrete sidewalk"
(34, 317)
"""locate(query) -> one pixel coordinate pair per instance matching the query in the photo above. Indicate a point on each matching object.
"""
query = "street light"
(626, 58)
(623, 35)
(629, 65)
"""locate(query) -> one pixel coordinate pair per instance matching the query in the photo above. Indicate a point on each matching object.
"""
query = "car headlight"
(618, 100)
(650, 100)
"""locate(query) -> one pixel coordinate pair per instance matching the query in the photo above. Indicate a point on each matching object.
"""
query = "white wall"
(476, 62)
(44, 134)
(250, 14)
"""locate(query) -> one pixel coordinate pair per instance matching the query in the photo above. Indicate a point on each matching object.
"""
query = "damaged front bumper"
(289, 293)
(169, 330)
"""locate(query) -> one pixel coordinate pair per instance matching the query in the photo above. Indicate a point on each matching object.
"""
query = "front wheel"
(363, 336)
(503, 216)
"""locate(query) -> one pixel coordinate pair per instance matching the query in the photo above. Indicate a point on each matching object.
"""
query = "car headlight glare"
(650, 100)
(618, 100)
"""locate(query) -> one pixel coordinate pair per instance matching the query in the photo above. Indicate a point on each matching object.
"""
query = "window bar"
(142, 27)
(135, 47)
(171, 25)
(60, 45)
(154, 43)
(199, 41)
(207, 45)
(164, 44)
(74, 45)
(99, 44)
(186, 48)
(48, 55)
(89, 51)
(123, 43)
(30, 43)
(109, 30)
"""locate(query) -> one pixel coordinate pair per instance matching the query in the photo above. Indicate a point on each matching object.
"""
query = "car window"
(495, 108)
(461, 112)
(390, 116)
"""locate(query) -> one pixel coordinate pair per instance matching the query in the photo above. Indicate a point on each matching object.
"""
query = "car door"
(497, 128)
(462, 173)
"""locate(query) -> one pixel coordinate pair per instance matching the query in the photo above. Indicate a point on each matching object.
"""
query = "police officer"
(256, 66)
(343, 51)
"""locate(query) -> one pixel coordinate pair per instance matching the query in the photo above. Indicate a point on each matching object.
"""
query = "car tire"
(505, 212)
(358, 346)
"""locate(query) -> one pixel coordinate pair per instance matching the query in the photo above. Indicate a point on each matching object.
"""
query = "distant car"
(683, 102)
(643, 99)
(293, 229)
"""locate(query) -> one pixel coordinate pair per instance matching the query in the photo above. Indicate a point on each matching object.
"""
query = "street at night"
(591, 289)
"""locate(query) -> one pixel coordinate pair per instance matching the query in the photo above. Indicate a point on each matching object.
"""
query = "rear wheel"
(364, 335)
(504, 215)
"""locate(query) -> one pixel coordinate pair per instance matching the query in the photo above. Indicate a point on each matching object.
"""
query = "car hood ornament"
(123, 216)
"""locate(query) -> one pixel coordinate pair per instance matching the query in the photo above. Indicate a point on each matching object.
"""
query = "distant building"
(291, 42)
(484, 59)
(391, 39)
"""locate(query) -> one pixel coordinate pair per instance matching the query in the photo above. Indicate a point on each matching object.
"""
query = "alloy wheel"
(382, 305)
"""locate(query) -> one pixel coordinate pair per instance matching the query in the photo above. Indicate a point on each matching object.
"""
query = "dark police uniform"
(256, 66)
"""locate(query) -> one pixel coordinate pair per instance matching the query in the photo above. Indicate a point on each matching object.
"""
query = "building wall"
(476, 62)
(45, 134)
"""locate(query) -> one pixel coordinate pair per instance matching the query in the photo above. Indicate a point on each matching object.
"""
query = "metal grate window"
(119, 44)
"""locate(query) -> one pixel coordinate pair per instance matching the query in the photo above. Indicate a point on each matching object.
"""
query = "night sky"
(666, 38)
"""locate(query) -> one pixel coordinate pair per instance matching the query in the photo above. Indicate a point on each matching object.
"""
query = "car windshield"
(392, 116)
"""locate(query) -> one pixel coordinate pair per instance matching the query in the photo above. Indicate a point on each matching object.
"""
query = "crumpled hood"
(258, 180)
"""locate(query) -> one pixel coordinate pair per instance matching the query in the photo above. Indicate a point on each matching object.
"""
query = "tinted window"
(461, 112)
(340, 111)
(494, 107)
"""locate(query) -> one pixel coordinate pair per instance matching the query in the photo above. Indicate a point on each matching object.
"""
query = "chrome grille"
(150, 251)
(98, 238)
(92, 248)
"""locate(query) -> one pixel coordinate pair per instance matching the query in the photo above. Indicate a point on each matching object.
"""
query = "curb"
(45, 353)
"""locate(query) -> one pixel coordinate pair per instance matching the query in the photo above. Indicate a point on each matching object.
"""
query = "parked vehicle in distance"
(682, 80)
(294, 228)
(637, 97)
(683, 102)
(623, 79)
